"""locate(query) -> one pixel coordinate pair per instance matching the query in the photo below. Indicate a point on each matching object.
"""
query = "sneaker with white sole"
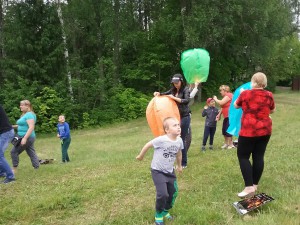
(224, 146)
(230, 147)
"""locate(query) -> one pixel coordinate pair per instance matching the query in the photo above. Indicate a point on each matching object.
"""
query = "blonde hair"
(224, 88)
(166, 122)
(28, 104)
(259, 80)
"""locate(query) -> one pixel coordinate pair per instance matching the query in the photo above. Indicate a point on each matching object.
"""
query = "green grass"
(105, 185)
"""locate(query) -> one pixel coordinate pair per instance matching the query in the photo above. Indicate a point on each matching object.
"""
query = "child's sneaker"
(8, 180)
(203, 148)
(211, 147)
(169, 217)
(224, 146)
(159, 223)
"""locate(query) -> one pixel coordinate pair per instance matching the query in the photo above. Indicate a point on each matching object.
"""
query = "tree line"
(99, 62)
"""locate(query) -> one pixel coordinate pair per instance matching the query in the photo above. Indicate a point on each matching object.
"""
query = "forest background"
(99, 62)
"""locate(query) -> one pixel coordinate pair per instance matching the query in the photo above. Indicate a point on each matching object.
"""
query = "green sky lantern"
(195, 65)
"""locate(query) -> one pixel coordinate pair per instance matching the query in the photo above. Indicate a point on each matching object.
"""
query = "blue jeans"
(5, 139)
(184, 124)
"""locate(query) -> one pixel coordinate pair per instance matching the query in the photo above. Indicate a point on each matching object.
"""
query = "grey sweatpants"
(166, 190)
(29, 147)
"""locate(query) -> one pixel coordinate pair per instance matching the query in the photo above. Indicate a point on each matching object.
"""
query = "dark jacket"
(184, 95)
(4, 121)
(211, 114)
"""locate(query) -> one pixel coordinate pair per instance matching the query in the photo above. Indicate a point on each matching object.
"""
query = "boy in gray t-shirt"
(167, 149)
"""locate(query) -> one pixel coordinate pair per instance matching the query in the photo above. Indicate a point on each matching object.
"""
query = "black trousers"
(166, 190)
(209, 131)
(184, 124)
(255, 146)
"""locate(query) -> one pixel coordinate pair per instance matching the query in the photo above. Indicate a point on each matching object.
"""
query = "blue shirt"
(23, 125)
(63, 130)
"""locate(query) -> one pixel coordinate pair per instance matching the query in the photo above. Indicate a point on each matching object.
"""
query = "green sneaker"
(169, 217)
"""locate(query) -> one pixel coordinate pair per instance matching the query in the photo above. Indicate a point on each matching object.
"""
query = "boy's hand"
(205, 107)
(179, 169)
(139, 157)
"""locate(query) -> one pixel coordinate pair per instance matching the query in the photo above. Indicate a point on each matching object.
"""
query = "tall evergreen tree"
(32, 42)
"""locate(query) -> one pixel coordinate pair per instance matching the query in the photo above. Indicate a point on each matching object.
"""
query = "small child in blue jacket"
(63, 132)
(210, 112)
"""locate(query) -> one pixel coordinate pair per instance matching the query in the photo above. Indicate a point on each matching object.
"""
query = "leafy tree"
(120, 50)
(32, 42)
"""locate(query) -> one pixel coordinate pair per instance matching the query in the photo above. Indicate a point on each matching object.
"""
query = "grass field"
(104, 184)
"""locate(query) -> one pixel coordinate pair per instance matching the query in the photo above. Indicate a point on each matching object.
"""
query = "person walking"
(255, 133)
(25, 129)
(167, 149)
(6, 135)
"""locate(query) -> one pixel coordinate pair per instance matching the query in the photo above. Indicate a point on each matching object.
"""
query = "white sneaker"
(230, 147)
(224, 146)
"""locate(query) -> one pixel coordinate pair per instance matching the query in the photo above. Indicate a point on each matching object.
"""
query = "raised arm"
(195, 90)
(223, 101)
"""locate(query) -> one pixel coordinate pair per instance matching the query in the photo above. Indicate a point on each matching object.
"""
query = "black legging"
(257, 147)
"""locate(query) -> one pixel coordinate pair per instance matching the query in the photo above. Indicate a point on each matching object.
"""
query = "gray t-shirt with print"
(165, 151)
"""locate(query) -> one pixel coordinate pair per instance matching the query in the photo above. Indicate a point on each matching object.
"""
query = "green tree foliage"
(120, 52)
(284, 62)
(48, 101)
(15, 91)
(32, 42)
